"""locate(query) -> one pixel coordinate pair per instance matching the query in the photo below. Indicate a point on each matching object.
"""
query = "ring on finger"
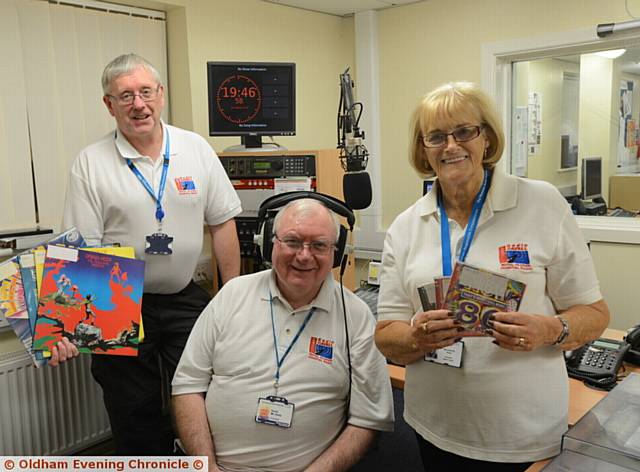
(425, 327)
(521, 341)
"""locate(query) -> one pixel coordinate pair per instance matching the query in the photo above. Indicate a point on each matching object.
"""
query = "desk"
(581, 397)
(610, 210)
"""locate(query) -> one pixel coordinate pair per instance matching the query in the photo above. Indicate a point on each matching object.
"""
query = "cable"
(355, 125)
(593, 380)
(346, 333)
(273, 142)
(339, 121)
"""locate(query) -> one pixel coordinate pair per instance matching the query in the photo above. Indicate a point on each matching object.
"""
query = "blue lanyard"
(445, 237)
(163, 180)
(280, 361)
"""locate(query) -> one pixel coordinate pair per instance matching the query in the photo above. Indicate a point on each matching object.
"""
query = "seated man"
(264, 382)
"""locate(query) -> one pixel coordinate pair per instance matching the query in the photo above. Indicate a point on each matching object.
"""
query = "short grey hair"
(303, 206)
(125, 64)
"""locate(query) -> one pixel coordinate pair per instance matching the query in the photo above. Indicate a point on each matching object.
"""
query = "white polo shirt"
(501, 405)
(230, 355)
(107, 203)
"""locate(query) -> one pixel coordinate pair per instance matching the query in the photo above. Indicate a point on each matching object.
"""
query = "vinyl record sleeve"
(92, 299)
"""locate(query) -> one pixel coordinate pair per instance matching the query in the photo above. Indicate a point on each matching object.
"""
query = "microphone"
(356, 183)
(356, 187)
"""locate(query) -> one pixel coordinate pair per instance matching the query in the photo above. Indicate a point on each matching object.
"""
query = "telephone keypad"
(599, 359)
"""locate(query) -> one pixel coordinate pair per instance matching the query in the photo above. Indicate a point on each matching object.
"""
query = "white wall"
(617, 265)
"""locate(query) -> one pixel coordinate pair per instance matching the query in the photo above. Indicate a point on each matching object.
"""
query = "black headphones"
(268, 210)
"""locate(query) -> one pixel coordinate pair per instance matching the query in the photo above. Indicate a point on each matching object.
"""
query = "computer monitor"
(251, 100)
(591, 178)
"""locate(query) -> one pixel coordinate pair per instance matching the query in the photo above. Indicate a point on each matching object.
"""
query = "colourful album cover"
(13, 305)
(92, 299)
(27, 263)
(12, 301)
(41, 251)
(22, 329)
(69, 238)
(474, 294)
(15, 302)
(122, 251)
(39, 254)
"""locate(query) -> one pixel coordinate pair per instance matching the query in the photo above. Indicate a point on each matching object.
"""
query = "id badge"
(275, 411)
(159, 244)
(450, 355)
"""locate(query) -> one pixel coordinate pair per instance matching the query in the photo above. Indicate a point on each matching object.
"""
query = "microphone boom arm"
(353, 153)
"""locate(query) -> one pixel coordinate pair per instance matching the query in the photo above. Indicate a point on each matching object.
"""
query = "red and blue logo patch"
(185, 185)
(321, 350)
(514, 256)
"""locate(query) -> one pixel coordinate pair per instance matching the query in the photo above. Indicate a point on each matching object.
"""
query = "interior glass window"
(575, 124)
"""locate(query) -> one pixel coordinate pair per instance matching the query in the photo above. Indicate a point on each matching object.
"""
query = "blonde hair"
(447, 104)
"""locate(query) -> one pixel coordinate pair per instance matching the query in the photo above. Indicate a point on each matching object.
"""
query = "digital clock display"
(251, 99)
(238, 99)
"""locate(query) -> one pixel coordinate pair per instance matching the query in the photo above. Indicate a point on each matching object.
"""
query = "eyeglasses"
(317, 248)
(460, 135)
(147, 94)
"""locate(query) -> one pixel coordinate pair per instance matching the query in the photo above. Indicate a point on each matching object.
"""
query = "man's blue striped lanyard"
(445, 237)
(163, 180)
(280, 360)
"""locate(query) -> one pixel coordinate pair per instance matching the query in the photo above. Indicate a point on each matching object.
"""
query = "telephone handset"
(597, 362)
(633, 339)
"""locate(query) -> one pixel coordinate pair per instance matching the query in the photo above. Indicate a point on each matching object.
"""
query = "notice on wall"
(631, 133)
(534, 124)
(627, 147)
(519, 142)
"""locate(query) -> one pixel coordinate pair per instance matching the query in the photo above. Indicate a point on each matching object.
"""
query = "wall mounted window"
(573, 107)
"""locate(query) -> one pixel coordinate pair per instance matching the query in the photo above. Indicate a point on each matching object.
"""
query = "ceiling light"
(611, 53)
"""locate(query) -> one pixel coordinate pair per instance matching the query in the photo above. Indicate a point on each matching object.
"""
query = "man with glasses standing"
(270, 379)
(154, 187)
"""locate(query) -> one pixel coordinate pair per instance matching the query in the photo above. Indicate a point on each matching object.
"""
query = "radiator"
(49, 411)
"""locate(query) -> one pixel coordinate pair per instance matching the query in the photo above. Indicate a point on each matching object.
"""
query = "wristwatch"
(565, 331)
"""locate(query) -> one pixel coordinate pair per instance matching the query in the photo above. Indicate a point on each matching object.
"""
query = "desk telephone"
(597, 362)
